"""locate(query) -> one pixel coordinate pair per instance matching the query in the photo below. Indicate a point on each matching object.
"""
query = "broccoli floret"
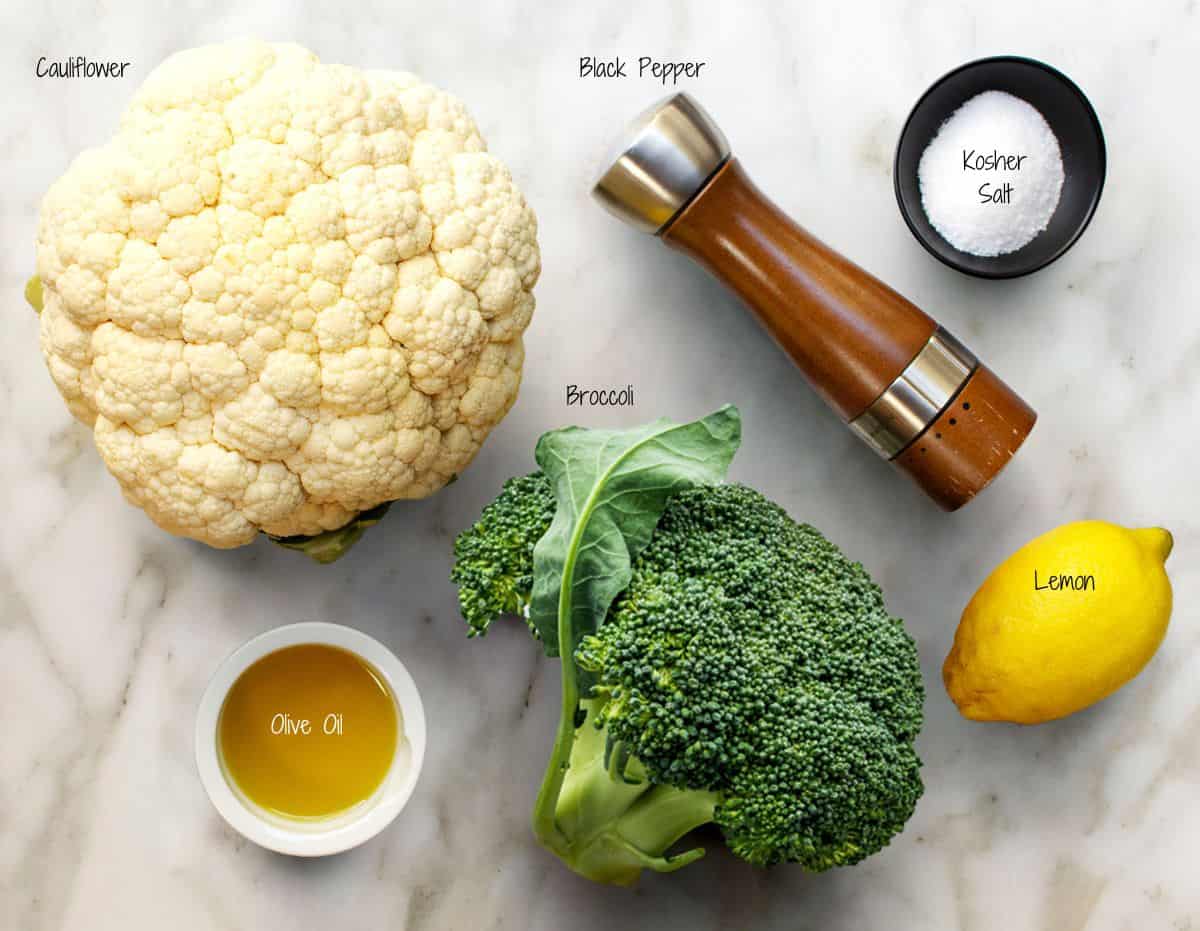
(750, 657)
(493, 560)
(749, 676)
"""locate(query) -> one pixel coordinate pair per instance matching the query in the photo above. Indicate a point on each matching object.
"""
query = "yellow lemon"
(1062, 623)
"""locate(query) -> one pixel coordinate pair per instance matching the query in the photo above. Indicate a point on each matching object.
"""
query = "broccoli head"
(748, 676)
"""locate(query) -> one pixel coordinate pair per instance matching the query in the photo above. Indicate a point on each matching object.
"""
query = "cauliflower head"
(285, 292)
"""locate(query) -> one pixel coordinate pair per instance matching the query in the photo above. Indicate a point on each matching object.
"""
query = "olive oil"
(308, 731)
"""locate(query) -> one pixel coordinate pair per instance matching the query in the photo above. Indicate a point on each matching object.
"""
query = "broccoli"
(747, 676)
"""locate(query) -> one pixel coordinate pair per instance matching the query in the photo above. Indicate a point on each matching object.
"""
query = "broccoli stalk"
(545, 823)
(607, 826)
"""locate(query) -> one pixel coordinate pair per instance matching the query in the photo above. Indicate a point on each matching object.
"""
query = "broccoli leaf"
(611, 487)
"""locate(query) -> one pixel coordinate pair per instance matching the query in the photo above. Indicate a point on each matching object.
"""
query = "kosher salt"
(992, 175)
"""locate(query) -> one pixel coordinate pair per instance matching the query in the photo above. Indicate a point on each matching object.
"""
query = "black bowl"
(1074, 122)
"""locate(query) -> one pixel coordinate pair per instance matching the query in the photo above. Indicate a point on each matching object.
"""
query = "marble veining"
(109, 628)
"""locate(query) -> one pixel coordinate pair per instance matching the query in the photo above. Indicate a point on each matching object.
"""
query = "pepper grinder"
(908, 388)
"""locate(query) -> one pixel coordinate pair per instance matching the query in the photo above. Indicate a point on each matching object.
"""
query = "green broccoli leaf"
(611, 487)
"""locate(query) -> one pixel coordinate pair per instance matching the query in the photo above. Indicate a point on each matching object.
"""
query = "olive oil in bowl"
(308, 731)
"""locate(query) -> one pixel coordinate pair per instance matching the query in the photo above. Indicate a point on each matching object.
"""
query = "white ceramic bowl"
(321, 836)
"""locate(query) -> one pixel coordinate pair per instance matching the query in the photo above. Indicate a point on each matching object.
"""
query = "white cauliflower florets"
(285, 292)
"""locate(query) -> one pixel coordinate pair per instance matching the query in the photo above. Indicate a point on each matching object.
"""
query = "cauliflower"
(285, 294)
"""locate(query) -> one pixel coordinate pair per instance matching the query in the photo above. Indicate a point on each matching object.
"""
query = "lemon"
(1062, 623)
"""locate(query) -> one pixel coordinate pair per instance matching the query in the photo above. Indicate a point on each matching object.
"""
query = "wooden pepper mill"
(907, 387)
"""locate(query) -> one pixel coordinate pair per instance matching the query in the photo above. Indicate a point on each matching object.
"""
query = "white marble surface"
(109, 628)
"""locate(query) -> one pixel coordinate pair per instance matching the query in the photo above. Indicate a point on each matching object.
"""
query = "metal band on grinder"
(913, 401)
